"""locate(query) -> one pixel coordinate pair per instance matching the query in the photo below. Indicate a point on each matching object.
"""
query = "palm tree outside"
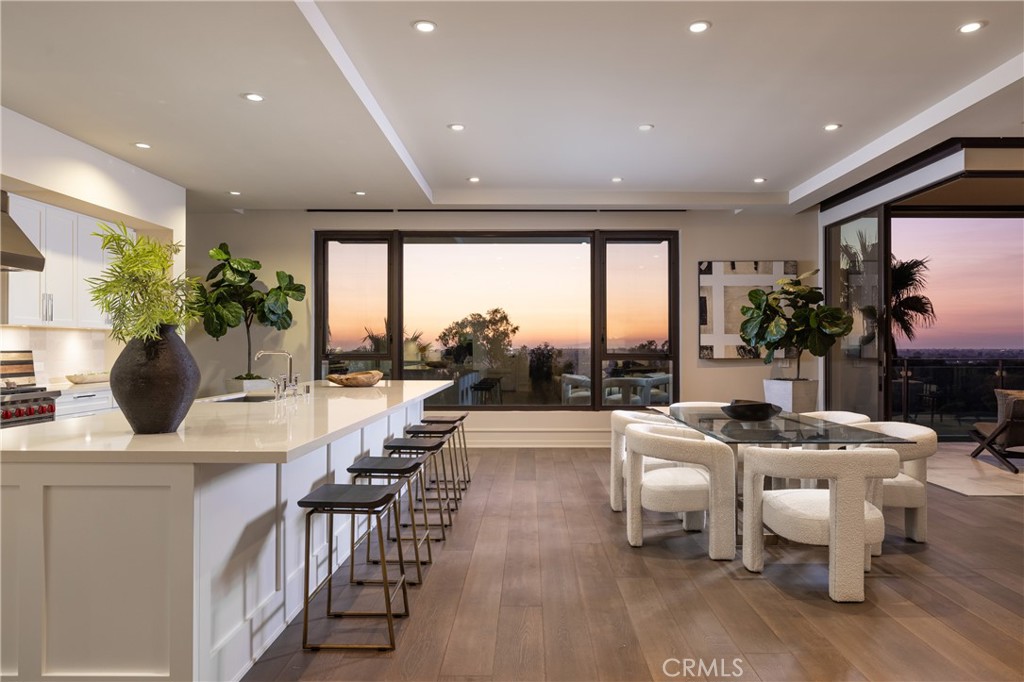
(909, 308)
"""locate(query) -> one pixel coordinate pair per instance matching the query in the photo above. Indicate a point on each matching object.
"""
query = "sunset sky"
(545, 289)
(975, 279)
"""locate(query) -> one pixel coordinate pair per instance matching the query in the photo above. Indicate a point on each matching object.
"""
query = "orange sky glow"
(544, 288)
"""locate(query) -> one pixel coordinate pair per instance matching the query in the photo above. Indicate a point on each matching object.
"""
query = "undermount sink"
(248, 399)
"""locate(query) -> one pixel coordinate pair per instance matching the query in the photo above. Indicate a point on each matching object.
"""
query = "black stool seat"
(439, 430)
(417, 444)
(444, 418)
(348, 496)
(387, 466)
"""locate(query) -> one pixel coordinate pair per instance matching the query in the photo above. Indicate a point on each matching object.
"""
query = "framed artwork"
(723, 287)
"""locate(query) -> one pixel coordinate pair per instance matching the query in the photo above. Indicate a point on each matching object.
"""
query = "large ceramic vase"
(154, 382)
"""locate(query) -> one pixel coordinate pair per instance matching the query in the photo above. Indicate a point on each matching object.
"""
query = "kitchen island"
(174, 556)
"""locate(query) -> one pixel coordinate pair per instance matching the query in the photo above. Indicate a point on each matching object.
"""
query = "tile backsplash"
(59, 352)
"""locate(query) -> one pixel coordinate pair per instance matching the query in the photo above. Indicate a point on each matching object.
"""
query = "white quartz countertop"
(216, 432)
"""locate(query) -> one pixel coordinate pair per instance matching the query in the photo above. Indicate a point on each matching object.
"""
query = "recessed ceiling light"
(253, 96)
(424, 26)
(142, 145)
(700, 26)
(972, 26)
(359, 193)
(234, 193)
(473, 179)
(833, 126)
(616, 179)
(457, 127)
(644, 127)
(759, 180)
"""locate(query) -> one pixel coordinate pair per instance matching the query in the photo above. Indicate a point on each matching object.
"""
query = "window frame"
(599, 242)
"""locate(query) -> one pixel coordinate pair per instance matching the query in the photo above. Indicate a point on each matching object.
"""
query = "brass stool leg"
(465, 452)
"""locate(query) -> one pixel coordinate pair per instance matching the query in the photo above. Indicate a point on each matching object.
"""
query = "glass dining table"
(786, 429)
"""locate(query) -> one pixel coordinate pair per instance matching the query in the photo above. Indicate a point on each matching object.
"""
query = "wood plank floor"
(536, 582)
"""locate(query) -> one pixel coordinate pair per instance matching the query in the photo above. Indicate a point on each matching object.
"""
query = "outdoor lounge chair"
(1006, 434)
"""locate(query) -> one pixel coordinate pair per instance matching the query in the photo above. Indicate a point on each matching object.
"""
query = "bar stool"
(454, 485)
(355, 501)
(430, 447)
(484, 391)
(410, 471)
(460, 421)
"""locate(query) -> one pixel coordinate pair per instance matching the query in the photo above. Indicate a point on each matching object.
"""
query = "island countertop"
(219, 432)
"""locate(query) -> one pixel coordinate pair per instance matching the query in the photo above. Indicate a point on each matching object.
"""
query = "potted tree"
(235, 297)
(793, 317)
(155, 378)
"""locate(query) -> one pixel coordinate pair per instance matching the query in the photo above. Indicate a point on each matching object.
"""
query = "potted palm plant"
(792, 317)
(155, 378)
(235, 297)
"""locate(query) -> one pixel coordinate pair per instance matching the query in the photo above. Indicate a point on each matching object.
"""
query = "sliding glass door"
(856, 270)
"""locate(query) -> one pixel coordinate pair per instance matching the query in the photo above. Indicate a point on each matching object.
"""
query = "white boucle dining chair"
(909, 489)
(841, 517)
(620, 420)
(839, 417)
(705, 481)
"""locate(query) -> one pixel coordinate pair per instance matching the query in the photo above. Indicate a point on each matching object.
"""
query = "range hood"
(17, 252)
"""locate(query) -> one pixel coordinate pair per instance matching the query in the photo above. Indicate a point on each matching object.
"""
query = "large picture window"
(581, 320)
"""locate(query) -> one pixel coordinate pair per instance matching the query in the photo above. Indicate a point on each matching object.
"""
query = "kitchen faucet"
(285, 382)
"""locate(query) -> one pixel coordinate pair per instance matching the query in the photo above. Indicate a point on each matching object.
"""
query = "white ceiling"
(551, 94)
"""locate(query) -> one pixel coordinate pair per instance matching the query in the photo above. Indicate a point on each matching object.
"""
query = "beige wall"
(283, 240)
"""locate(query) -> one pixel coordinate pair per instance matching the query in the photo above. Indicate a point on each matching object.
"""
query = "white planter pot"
(248, 385)
(792, 396)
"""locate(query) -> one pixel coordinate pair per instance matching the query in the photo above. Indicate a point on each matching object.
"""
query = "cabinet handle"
(49, 307)
(86, 395)
(42, 307)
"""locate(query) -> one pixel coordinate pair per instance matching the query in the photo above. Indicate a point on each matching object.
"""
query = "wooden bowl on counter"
(355, 379)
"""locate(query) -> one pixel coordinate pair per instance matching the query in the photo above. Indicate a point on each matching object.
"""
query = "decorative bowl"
(751, 410)
(88, 377)
(368, 378)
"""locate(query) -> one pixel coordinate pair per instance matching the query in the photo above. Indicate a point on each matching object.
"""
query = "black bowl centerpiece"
(751, 410)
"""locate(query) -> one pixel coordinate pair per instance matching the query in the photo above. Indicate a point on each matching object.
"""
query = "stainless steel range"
(21, 401)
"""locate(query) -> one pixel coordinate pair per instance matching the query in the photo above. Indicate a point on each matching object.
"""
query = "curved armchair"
(575, 389)
(908, 489)
(682, 410)
(620, 420)
(660, 387)
(839, 417)
(625, 391)
(706, 482)
(840, 517)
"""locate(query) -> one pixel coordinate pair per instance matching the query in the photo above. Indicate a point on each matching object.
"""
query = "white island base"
(174, 556)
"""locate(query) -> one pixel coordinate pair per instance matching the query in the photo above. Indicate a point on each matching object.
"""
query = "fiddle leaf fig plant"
(235, 297)
(137, 290)
(792, 316)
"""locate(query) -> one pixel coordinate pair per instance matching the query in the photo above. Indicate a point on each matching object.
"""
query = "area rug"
(952, 468)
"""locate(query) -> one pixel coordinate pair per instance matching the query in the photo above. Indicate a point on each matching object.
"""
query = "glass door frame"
(883, 332)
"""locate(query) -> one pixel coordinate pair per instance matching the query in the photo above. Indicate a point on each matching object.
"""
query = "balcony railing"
(950, 394)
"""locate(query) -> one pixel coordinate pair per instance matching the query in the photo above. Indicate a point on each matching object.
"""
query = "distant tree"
(493, 332)
(648, 346)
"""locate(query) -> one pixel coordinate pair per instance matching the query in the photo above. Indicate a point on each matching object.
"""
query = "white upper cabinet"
(59, 271)
(91, 259)
(58, 296)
